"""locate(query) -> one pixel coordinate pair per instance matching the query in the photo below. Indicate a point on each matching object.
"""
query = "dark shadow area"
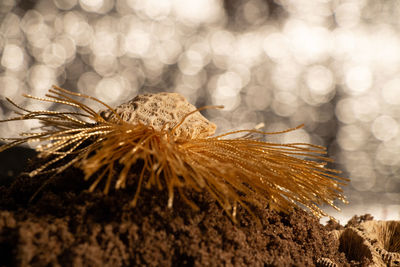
(14, 161)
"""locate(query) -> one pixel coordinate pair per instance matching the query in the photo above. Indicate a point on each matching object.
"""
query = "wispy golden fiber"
(176, 158)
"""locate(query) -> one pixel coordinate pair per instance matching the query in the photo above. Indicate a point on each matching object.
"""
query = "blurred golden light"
(197, 11)
(229, 84)
(285, 103)
(352, 137)
(10, 26)
(7, 5)
(105, 65)
(358, 80)
(54, 55)
(77, 28)
(10, 86)
(41, 77)
(109, 90)
(137, 43)
(298, 136)
(391, 91)
(168, 51)
(191, 62)
(192, 82)
(308, 44)
(91, 5)
(87, 82)
(385, 128)
(65, 4)
(68, 44)
(222, 42)
(285, 76)
(363, 177)
(165, 30)
(348, 14)
(13, 57)
(386, 48)
(366, 107)
(134, 77)
(344, 42)
(32, 22)
(388, 154)
(248, 49)
(320, 80)
(229, 103)
(276, 46)
(157, 9)
(104, 44)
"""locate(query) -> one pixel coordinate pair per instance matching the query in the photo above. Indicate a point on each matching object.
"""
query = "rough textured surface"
(370, 242)
(66, 225)
(158, 109)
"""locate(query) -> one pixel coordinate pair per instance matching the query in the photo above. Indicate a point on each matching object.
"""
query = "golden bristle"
(234, 171)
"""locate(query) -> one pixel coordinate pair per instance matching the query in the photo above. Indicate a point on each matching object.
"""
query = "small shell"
(384, 236)
(156, 110)
(326, 262)
(379, 241)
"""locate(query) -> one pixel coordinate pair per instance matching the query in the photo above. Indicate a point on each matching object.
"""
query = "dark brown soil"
(68, 226)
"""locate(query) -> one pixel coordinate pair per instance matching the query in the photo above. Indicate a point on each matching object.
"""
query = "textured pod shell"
(379, 241)
(157, 110)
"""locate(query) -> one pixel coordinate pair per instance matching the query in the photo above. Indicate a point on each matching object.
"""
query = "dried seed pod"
(175, 143)
(163, 110)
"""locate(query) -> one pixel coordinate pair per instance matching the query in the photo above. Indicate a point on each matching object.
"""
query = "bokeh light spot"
(347, 14)
(197, 11)
(54, 55)
(385, 128)
(77, 28)
(391, 91)
(358, 80)
(10, 86)
(109, 89)
(276, 46)
(13, 57)
(366, 108)
(157, 9)
(388, 154)
(41, 77)
(191, 62)
(91, 5)
(351, 137)
(65, 4)
(88, 81)
(319, 79)
(222, 42)
(137, 43)
(32, 22)
(229, 84)
(169, 51)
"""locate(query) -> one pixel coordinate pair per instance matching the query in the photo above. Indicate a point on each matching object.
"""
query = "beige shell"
(379, 241)
(157, 110)
(325, 262)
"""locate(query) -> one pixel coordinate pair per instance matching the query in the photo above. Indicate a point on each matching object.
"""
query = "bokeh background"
(332, 65)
